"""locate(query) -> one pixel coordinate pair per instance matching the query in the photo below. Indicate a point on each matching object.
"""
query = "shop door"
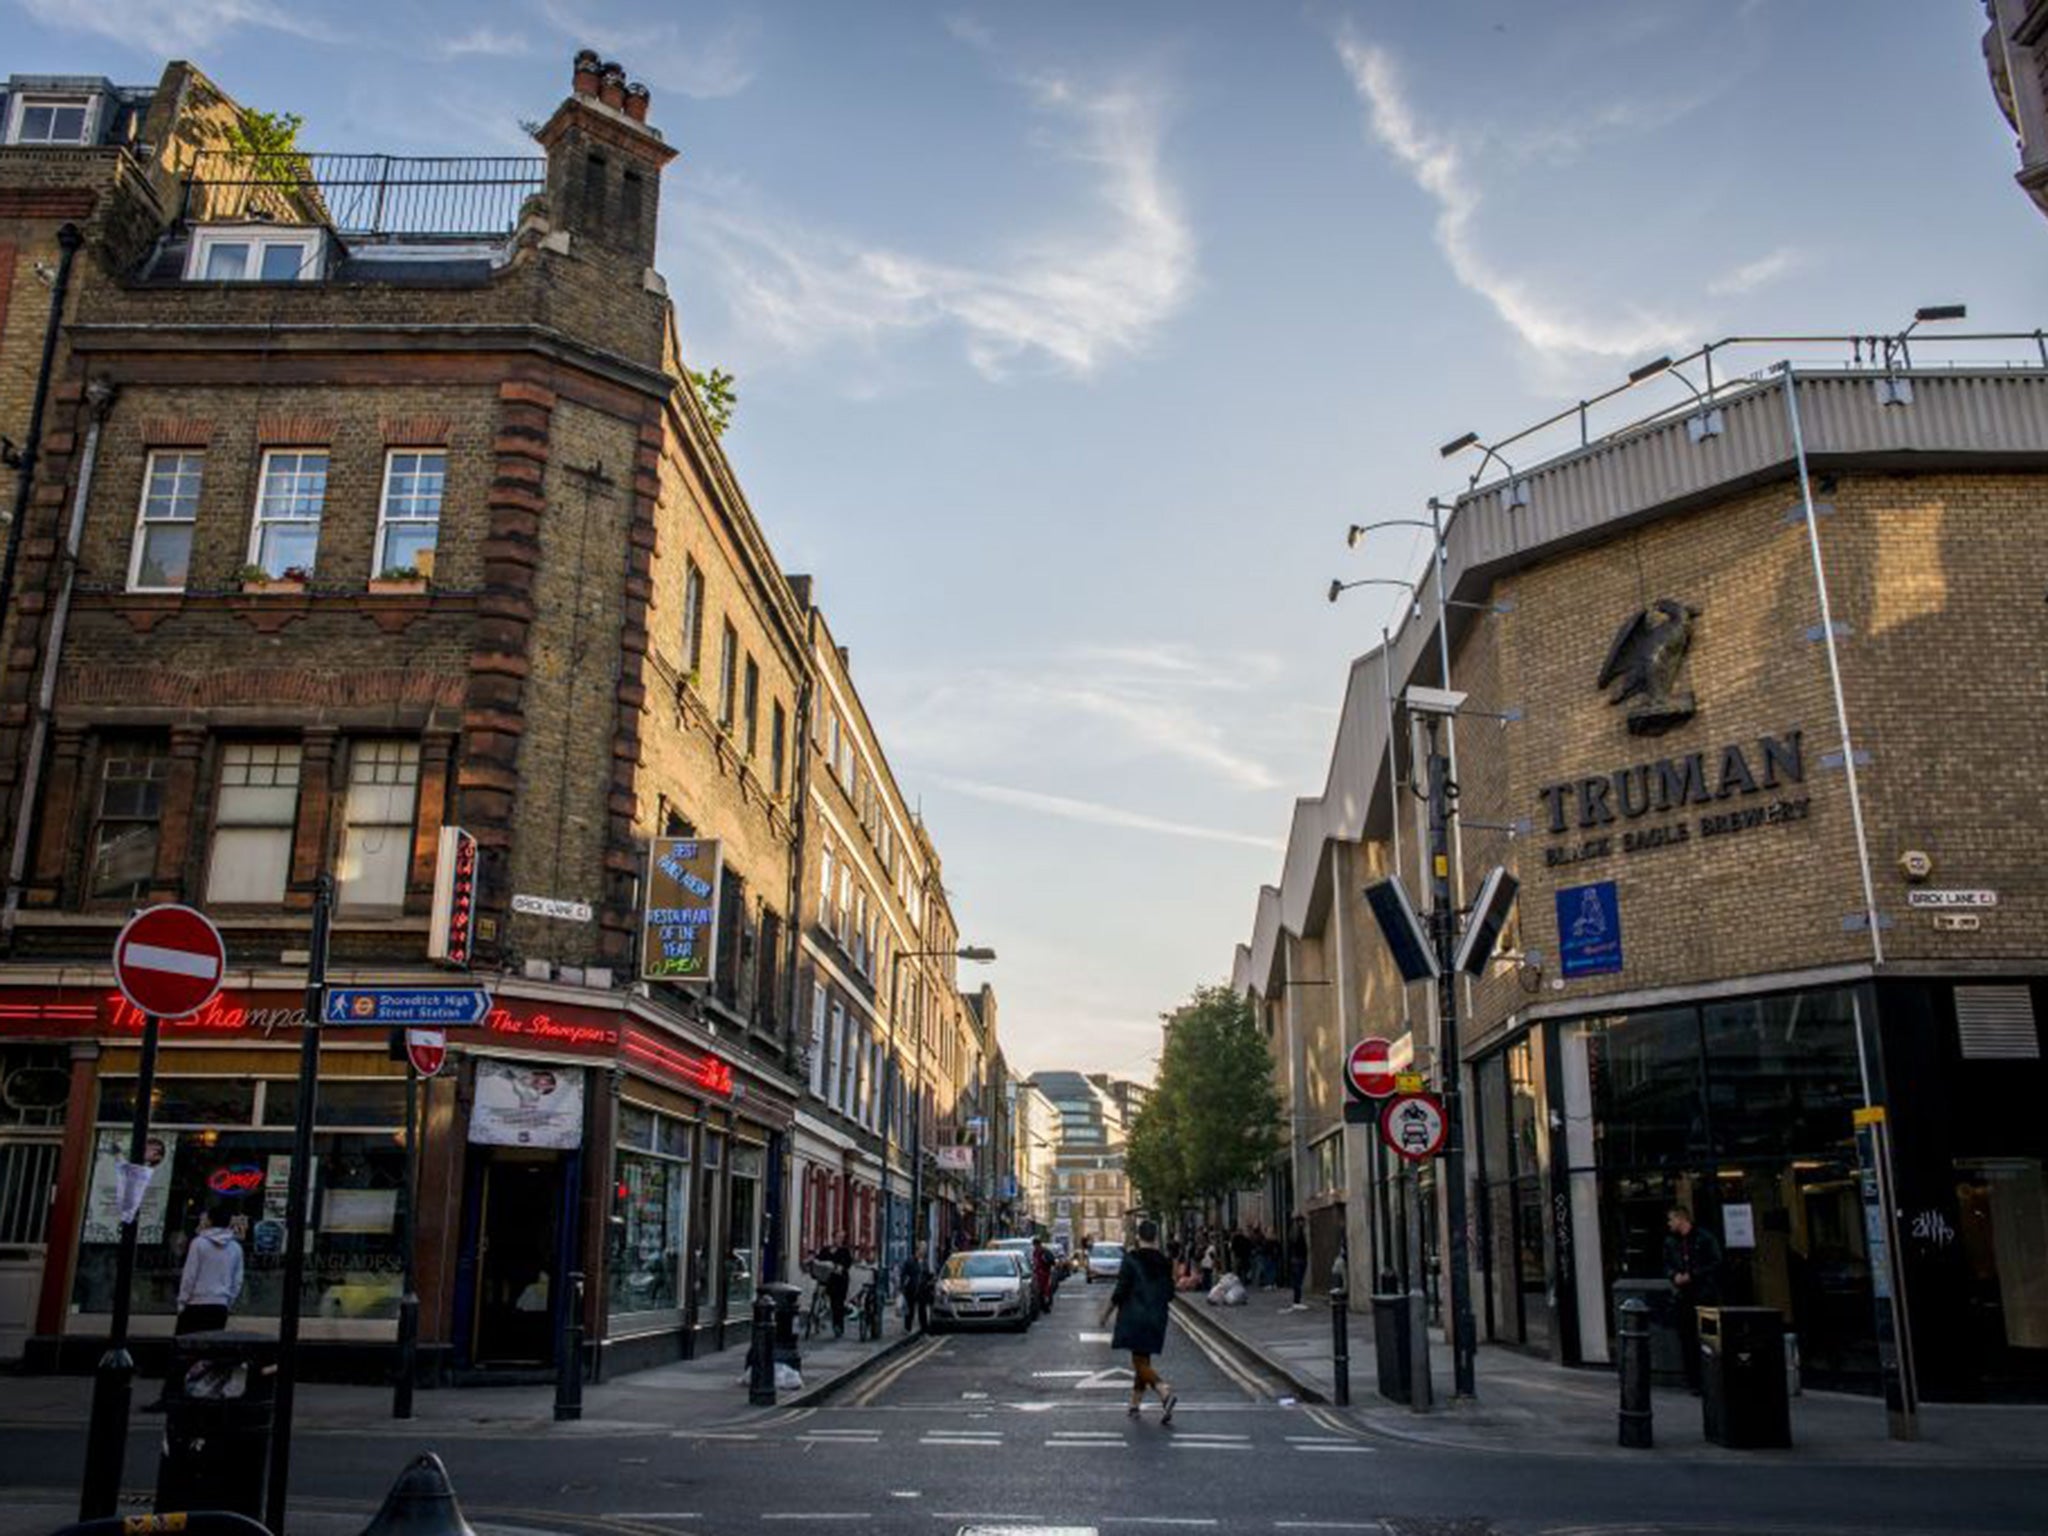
(519, 1243)
(28, 1176)
(2003, 1236)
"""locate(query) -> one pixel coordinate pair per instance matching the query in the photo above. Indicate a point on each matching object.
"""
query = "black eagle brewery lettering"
(1603, 807)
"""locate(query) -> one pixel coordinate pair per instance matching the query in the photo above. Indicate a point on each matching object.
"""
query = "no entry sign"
(169, 960)
(428, 1048)
(1414, 1125)
(1369, 1069)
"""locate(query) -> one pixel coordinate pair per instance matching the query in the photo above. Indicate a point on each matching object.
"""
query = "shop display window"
(743, 1254)
(218, 1140)
(650, 1204)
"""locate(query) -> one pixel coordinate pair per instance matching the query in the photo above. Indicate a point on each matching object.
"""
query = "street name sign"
(168, 961)
(422, 1007)
(1950, 900)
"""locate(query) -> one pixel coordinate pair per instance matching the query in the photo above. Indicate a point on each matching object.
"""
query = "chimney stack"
(605, 162)
(586, 76)
(612, 87)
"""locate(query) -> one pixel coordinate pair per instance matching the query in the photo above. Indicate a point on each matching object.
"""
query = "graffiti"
(1561, 1217)
(1932, 1227)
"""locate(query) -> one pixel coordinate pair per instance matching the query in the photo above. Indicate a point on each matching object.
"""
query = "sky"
(1071, 337)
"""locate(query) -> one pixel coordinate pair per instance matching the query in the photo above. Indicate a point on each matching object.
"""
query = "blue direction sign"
(413, 1007)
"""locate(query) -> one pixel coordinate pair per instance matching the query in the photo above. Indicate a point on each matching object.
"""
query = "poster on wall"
(527, 1106)
(1589, 930)
(103, 1206)
(1738, 1226)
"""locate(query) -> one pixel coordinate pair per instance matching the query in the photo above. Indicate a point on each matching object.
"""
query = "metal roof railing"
(365, 195)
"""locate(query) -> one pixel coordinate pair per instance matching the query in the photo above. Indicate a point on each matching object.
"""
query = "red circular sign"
(169, 961)
(1413, 1126)
(428, 1049)
(1370, 1069)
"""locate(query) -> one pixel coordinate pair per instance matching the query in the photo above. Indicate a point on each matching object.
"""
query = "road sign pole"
(409, 1298)
(113, 1382)
(1444, 923)
(297, 1186)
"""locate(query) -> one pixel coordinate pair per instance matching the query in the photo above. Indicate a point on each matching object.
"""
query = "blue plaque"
(1589, 930)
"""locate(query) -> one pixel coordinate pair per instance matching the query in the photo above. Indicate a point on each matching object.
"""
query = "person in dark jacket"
(839, 1272)
(1692, 1263)
(914, 1285)
(1144, 1291)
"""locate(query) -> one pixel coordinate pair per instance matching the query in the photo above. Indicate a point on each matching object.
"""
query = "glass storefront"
(227, 1142)
(650, 1206)
(742, 1229)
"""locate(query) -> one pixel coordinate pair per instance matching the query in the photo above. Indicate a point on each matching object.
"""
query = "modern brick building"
(373, 500)
(1752, 903)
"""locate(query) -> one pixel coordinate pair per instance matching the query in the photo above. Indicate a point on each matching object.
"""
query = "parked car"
(1104, 1260)
(1021, 1247)
(986, 1289)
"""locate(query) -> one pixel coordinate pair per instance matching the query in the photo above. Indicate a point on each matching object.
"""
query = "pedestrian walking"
(839, 1274)
(1692, 1263)
(1041, 1272)
(211, 1282)
(1208, 1263)
(1144, 1291)
(914, 1280)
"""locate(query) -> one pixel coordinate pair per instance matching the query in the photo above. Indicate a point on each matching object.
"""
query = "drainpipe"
(99, 395)
(1827, 632)
(68, 241)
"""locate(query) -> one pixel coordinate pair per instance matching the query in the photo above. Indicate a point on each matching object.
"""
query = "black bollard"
(569, 1359)
(1635, 1374)
(421, 1503)
(1340, 1333)
(761, 1353)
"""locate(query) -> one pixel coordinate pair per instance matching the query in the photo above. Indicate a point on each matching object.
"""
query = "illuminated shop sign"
(452, 936)
(679, 931)
(235, 1179)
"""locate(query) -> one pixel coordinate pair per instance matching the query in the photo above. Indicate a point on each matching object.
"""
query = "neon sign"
(235, 1179)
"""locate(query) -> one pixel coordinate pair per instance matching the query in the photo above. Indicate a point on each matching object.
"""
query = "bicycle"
(868, 1307)
(817, 1316)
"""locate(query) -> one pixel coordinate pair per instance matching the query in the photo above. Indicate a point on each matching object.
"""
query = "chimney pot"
(612, 89)
(637, 101)
(586, 72)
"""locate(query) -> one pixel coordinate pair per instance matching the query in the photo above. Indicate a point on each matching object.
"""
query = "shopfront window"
(220, 1141)
(743, 1236)
(650, 1205)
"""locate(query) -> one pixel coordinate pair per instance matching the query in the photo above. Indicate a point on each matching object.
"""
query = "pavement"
(1530, 1406)
(1028, 1433)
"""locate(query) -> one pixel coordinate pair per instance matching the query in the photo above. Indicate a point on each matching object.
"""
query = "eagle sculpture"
(1646, 657)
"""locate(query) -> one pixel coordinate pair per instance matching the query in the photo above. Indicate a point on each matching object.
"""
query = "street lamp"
(980, 954)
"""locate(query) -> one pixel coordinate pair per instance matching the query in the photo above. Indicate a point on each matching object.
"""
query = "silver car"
(1104, 1260)
(990, 1289)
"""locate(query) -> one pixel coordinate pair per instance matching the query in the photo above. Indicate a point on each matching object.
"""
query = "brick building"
(1750, 905)
(373, 501)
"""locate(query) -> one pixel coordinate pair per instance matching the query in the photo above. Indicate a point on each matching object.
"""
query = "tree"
(1212, 1124)
(716, 394)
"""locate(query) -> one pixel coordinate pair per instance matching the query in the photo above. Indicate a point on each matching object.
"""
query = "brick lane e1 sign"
(679, 931)
(1589, 930)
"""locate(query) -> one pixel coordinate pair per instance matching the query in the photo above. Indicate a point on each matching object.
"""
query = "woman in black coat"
(1144, 1290)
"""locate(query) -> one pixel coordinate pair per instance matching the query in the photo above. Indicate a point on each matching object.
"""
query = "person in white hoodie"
(212, 1281)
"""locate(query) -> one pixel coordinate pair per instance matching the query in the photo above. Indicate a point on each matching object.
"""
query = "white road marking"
(845, 1514)
(1208, 1445)
(1328, 1525)
(1154, 1520)
(905, 1493)
(1338, 1450)
(1094, 1338)
(712, 1434)
(1087, 1434)
(1060, 1375)
(1208, 1435)
(647, 1514)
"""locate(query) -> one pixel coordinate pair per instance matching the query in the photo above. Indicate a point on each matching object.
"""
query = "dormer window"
(259, 253)
(51, 119)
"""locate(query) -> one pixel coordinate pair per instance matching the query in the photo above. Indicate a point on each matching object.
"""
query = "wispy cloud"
(179, 28)
(1439, 167)
(1099, 814)
(1131, 705)
(487, 42)
(705, 62)
(1752, 275)
(1071, 300)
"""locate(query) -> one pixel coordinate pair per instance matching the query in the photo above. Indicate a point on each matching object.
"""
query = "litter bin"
(1390, 1345)
(217, 1405)
(1742, 1377)
(786, 1298)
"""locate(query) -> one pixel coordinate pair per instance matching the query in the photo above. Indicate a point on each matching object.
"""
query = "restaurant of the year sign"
(1624, 799)
(679, 936)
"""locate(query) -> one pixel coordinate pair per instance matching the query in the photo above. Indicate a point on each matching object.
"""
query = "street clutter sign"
(169, 960)
(1370, 1071)
(679, 929)
(956, 1159)
(426, 1007)
(427, 1050)
(549, 906)
(1951, 900)
(1589, 930)
(1413, 1125)
(452, 934)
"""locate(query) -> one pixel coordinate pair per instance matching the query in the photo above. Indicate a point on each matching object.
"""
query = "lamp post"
(980, 954)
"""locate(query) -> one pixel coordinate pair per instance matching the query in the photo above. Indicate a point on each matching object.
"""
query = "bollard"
(421, 1503)
(569, 1359)
(1340, 1333)
(1635, 1374)
(761, 1353)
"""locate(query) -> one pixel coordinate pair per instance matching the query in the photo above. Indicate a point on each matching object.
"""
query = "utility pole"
(1443, 923)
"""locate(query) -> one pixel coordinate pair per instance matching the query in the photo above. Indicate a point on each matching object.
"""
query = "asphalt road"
(1030, 1431)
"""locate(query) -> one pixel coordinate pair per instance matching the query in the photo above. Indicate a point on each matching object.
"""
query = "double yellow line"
(914, 1357)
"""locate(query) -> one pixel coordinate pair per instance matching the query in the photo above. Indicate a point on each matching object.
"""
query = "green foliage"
(1212, 1123)
(265, 133)
(716, 394)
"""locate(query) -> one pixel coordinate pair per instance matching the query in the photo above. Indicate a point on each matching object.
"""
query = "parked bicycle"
(868, 1309)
